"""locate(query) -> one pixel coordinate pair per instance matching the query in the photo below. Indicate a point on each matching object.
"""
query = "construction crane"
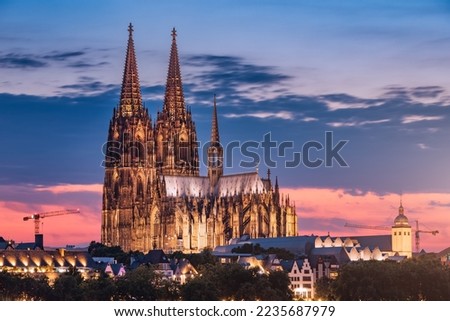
(36, 217)
(386, 228)
(370, 227)
(417, 235)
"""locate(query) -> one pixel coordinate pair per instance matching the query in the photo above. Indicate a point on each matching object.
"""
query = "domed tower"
(401, 234)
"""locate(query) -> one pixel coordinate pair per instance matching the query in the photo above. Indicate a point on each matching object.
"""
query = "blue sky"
(374, 73)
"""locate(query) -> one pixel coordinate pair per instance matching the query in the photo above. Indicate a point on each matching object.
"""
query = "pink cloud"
(71, 188)
(58, 230)
(320, 211)
(327, 210)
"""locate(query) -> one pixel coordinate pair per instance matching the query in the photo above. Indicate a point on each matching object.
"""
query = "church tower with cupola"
(401, 234)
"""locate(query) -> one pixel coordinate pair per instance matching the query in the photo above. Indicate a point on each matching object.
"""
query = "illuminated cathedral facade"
(153, 194)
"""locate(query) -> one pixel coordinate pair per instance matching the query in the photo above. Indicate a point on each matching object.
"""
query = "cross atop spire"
(174, 34)
(401, 210)
(130, 96)
(174, 99)
(214, 125)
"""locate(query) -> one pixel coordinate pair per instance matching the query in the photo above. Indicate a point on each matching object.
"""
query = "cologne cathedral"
(153, 194)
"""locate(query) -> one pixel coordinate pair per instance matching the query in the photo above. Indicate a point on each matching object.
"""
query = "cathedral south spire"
(130, 96)
(176, 137)
(174, 99)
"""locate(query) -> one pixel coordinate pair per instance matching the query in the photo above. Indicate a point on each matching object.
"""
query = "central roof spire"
(174, 99)
(214, 125)
(130, 96)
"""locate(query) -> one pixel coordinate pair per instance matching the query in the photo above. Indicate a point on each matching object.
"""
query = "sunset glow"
(375, 75)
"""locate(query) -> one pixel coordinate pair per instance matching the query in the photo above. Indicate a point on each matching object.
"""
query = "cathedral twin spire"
(130, 96)
(174, 100)
(175, 135)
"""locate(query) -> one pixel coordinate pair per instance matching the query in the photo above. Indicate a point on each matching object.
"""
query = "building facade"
(401, 233)
(301, 276)
(154, 196)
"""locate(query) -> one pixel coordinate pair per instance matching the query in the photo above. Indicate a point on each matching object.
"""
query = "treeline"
(216, 282)
(423, 278)
(256, 249)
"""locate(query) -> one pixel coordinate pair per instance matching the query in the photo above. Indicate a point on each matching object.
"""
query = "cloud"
(438, 203)
(63, 55)
(427, 91)
(344, 101)
(358, 123)
(408, 119)
(17, 201)
(233, 70)
(70, 188)
(234, 77)
(28, 61)
(84, 64)
(309, 119)
(88, 86)
(423, 146)
(286, 115)
(355, 192)
(323, 210)
(396, 91)
(424, 95)
(21, 61)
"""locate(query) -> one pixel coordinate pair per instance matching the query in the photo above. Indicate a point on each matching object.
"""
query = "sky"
(375, 74)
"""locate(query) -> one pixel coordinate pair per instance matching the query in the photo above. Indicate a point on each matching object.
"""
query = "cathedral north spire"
(130, 96)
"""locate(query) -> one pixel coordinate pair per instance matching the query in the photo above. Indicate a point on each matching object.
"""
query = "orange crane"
(36, 217)
(422, 231)
(385, 228)
(371, 227)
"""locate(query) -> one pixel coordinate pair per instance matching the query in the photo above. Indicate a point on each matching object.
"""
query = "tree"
(256, 249)
(100, 250)
(67, 287)
(205, 257)
(138, 285)
(35, 288)
(234, 282)
(23, 287)
(200, 289)
(323, 289)
(412, 279)
(100, 289)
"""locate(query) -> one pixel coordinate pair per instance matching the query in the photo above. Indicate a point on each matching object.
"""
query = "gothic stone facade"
(154, 196)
